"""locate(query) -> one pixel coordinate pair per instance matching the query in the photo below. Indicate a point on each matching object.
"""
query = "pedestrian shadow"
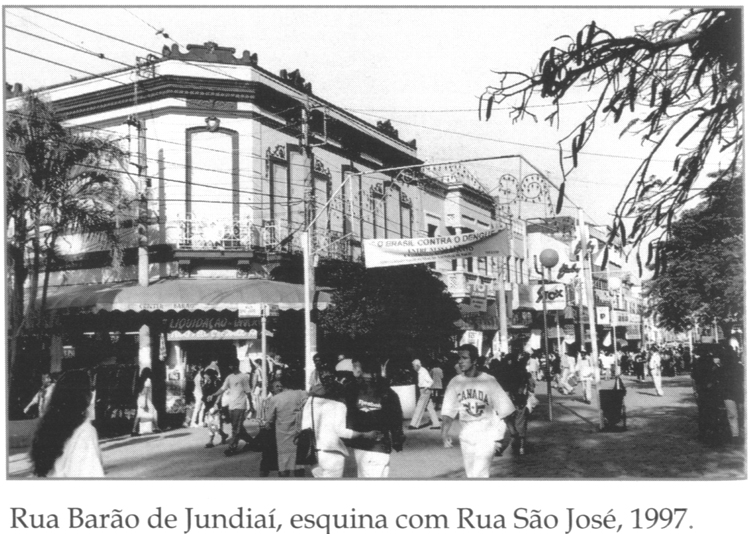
(660, 442)
(176, 435)
(118, 444)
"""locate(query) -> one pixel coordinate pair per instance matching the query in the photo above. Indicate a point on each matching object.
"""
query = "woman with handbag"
(283, 413)
(324, 428)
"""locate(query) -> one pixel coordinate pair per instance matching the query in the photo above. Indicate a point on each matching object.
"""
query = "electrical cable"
(473, 110)
(156, 53)
(48, 31)
(65, 66)
(93, 31)
(216, 72)
(471, 136)
(100, 56)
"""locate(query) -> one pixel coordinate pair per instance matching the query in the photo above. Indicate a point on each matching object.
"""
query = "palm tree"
(58, 181)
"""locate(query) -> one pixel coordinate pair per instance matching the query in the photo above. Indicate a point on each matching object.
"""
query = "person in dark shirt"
(705, 388)
(640, 366)
(212, 409)
(515, 379)
(372, 405)
(730, 381)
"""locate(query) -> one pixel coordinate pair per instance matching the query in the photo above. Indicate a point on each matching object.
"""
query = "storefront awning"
(182, 295)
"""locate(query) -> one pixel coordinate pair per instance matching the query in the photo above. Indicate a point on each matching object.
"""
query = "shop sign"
(390, 252)
(522, 318)
(250, 310)
(478, 297)
(258, 309)
(602, 315)
(212, 335)
(473, 337)
(633, 331)
(567, 272)
(532, 296)
(69, 351)
(210, 323)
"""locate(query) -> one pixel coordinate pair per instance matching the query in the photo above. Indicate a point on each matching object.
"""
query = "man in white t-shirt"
(480, 404)
(237, 400)
(654, 368)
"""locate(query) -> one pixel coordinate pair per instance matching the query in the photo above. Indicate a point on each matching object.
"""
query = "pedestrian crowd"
(350, 410)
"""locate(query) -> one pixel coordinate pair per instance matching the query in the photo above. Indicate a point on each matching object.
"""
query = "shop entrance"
(202, 353)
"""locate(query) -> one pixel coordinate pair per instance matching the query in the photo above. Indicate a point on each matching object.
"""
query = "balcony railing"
(192, 233)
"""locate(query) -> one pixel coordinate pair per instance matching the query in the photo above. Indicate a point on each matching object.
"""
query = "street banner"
(390, 252)
(532, 296)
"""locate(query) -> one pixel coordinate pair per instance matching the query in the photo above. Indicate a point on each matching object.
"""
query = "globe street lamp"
(548, 258)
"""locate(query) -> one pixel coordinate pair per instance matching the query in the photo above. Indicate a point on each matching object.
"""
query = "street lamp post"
(614, 284)
(548, 259)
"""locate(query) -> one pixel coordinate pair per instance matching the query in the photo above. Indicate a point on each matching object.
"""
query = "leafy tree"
(57, 182)
(680, 81)
(393, 313)
(704, 277)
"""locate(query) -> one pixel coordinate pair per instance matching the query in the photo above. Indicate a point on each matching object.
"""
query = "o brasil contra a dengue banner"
(390, 252)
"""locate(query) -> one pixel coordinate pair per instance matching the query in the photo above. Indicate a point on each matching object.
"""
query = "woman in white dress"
(65, 444)
(145, 410)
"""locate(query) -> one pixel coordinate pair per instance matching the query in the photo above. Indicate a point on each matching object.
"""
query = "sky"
(422, 68)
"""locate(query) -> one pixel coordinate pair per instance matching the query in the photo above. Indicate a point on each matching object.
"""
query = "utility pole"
(501, 306)
(144, 186)
(587, 288)
(311, 215)
(307, 252)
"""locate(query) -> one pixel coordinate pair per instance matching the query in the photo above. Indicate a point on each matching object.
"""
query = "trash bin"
(612, 407)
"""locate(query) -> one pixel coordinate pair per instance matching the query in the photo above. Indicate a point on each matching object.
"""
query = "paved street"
(659, 443)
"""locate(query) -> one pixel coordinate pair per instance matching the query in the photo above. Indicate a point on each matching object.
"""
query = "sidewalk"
(659, 443)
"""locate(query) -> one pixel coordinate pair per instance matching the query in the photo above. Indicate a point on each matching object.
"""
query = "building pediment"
(209, 52)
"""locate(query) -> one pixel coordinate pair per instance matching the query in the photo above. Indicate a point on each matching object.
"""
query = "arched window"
(212, 168)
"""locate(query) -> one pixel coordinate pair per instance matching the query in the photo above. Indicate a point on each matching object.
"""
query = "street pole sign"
(262, 310)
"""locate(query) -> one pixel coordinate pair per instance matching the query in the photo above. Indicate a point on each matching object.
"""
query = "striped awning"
(182, 294)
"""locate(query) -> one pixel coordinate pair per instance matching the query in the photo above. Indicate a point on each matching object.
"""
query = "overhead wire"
(182, 182)
(482, 138)
(226, 112)
(77, 49)
(13, 13)
(473, 110)
(156, 53)
(92, 30)
(104, 77)
(211, 70)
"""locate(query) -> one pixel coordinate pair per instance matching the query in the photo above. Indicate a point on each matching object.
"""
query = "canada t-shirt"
(476, 399)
